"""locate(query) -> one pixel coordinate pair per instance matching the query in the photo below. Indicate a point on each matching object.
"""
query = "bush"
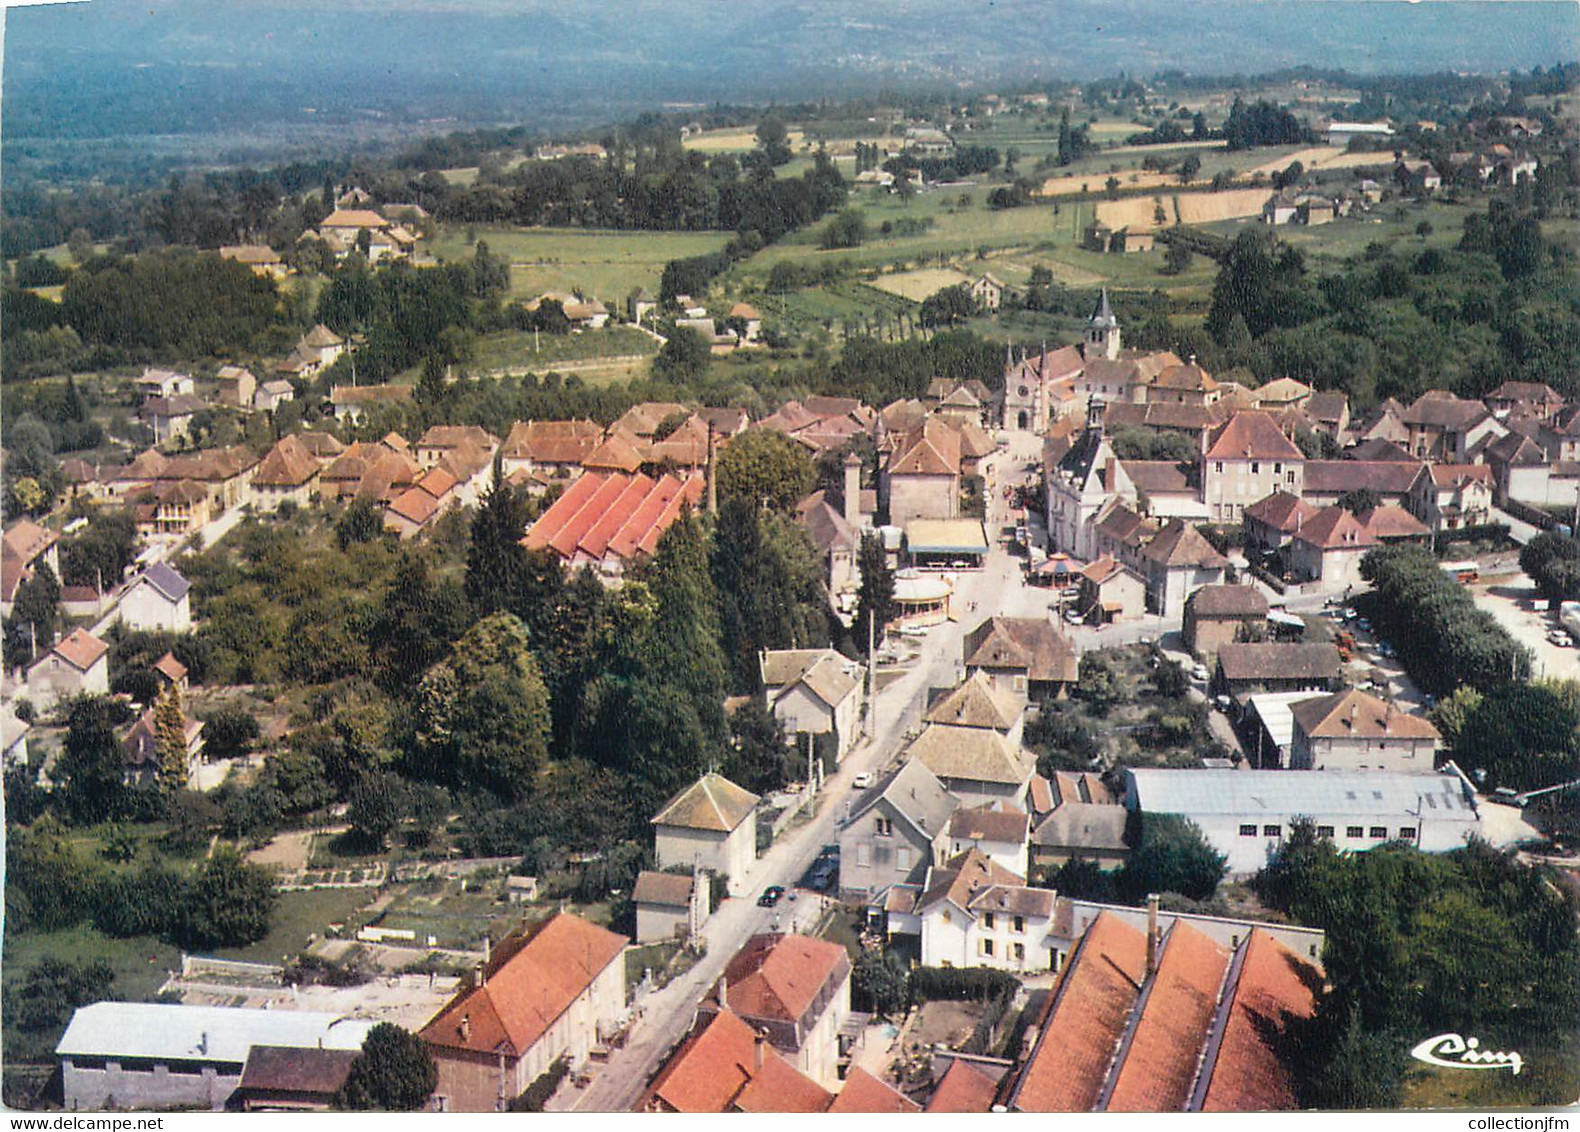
(960, 984)
(536, 1095)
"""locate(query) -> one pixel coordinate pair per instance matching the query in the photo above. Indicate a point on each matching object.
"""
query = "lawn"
(299, 915)
(608, 265)
(519, 351)
(917, 285)
(141, 964)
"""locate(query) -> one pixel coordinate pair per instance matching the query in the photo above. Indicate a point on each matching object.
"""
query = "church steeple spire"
(1102, 331)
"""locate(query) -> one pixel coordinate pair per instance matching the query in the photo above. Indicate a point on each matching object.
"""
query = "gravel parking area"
(1509, 600)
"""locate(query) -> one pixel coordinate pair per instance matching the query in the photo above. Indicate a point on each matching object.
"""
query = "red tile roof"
(613, 514)
(780, 977)
(81, 649)
(965, 1088)
(415, 506)
(288, 464)
(1334, 528)
(532, 979)
(865, 1093)
(1157, 1062)
(1251, 435)
(1281, 511)
(1086, 1017)
(715, 1067)
(1244, 1073)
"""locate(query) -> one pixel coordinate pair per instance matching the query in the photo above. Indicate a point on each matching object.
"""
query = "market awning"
(946, 536)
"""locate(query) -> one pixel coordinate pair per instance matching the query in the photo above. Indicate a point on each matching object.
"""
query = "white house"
(158, 599)
(974, 913)
(77, 665)
(999, 833)
(711, 824)
(270, 395)
(142, 1055)
(814, 690)
(1246, 814)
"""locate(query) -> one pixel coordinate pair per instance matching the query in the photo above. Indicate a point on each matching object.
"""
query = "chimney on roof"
(1152, 934)
(466, 1027)
(759, 1041)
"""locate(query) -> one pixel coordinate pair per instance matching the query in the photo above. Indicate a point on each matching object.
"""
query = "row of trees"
(1444, 640)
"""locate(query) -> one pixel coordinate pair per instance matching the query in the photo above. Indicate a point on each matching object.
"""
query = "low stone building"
(1219, 615)
(668, 905)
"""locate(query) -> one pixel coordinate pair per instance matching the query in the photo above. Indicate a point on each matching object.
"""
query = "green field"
(605, 264)
(297, 916)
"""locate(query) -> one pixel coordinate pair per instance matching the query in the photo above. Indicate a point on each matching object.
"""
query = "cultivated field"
(1324, 157)
(1140, 213)
(734, 140)
(1093, 182)
(917, 285)
(607, 265)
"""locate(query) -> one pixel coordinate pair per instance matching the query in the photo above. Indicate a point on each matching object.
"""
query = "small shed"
(521, 890)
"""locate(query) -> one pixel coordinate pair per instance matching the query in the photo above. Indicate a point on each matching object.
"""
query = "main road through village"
(667, 1013)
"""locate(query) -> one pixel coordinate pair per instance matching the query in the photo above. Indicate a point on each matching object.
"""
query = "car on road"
(771, 896)
(1560, 638)
(1199, 672)
(1073, 616)
(862, 780)
(822, 875)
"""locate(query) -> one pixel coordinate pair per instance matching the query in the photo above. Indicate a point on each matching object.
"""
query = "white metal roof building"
(155, 1055)
(1245, 814)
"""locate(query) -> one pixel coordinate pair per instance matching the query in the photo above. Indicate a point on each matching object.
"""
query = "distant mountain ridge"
(113, 68)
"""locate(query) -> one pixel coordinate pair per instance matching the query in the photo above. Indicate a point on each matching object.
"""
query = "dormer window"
(884, 827)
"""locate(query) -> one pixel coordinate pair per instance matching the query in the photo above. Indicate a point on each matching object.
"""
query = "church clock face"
(1023, 391)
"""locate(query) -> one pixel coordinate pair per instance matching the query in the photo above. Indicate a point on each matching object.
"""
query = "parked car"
(862, 780)
(771, 896)
(1073, 616)
(1199, 672)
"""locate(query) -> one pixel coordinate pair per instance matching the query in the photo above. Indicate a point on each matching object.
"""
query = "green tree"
(393, 1073)
(55, 987)
(947, 307)
(91, 770)
(496, 562)
(763, 466)
(1360, 500)
(375, 807)
(431, 386)
(229, 733)
(35, 617)
(880, 980)
(759, 757)
(847, 230)
(1189, 167)
(170, 739)
(359, 523)
(1100, 683)
(229, 903)
(1172, 855)
(683, 357)
(774, 139)
(875, 606)
(483, 714)
(1177, 257)
(1522, 735)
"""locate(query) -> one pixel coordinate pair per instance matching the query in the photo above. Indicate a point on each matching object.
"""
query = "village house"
(1110, 592)
(1537, 398)
(237, 386)
(796, 990)
(352, 402)
(1249, 667)
(169, 417)
(164, 383)
(1028, 658)
(1086, 821)
(922, 476)
(289, 472)
(1328, 481)
(1247, 814)
(1176, 563)
(816, 691)
(669, 905)
(1219, 615)
(1083, 481)
(894, 832)
(443, 440)
(974, 702)
(1270, 523)
(999, 832)
(1281, 208)
(1328, 548)
(551, 990)
(1246, 458)
(77, 665)
(143, 761)
(712, 825)
(978, 765)
(725, 1065)
(260, 259)
(1355, 731)
(270, 395)
(639, 304)
(1415, 176)
(13, 738)
(1447, 497)
(1390, 524)
(973, 912)
(1448, 428)
(1328, 414)
(987, 291)
(157, 601)
(23, 549)
(164, 1056)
